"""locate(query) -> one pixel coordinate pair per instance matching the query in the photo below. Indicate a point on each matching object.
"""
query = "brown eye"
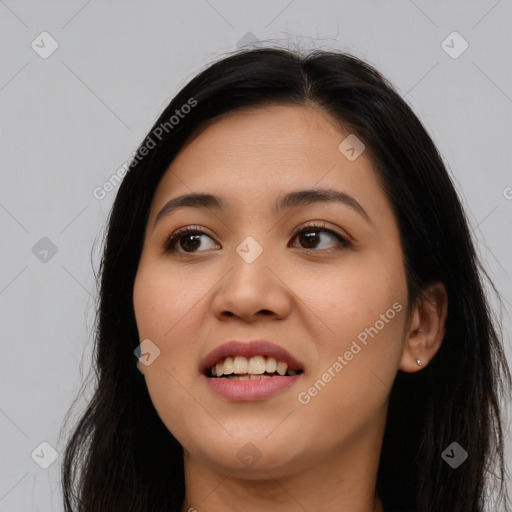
(186, 239)
(310, 237)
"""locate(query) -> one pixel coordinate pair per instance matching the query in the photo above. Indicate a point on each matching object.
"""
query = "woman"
(289, 262)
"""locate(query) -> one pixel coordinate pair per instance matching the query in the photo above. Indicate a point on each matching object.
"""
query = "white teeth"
(271, 365)
(253, 368)
(228, 366)
(239, 365)
(281, 368)
(256, 365)
(247, 377)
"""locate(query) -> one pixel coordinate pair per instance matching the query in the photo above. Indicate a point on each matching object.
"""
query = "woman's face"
(333, 297)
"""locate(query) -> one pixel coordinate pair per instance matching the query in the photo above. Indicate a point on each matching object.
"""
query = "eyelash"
(170, 243)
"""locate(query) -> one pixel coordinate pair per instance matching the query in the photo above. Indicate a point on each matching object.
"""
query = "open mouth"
(253, 368)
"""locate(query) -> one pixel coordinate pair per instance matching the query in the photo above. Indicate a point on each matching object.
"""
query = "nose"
(249, 291)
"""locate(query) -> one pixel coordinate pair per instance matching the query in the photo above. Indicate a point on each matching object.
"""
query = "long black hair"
(120, 455)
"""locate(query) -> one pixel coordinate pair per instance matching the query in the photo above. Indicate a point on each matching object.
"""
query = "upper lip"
(249, 349)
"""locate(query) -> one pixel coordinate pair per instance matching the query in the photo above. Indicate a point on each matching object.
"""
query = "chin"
(251, 455)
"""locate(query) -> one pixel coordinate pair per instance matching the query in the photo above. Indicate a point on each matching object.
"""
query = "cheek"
(362, 313)
(349, 388)
(161, 301)
(169, 310)
(353, 297)
(168, 315)
(165, 315)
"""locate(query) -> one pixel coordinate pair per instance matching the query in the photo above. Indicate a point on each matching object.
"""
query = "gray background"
(69, 121)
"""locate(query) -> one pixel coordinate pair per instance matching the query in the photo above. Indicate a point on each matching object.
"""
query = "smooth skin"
(312, 296)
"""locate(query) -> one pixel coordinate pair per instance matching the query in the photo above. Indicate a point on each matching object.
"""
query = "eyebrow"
(289, 200)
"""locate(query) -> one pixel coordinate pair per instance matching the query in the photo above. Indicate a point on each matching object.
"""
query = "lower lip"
(250, 390)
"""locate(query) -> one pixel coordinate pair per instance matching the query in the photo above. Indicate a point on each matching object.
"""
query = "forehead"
(263, 131)
(253, 155)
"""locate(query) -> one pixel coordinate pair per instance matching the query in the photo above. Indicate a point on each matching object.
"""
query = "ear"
(426, 330)
(140, 367)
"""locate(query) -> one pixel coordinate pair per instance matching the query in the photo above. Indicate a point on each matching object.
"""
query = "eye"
(186, 240)
(310, 236)
(188, 237)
